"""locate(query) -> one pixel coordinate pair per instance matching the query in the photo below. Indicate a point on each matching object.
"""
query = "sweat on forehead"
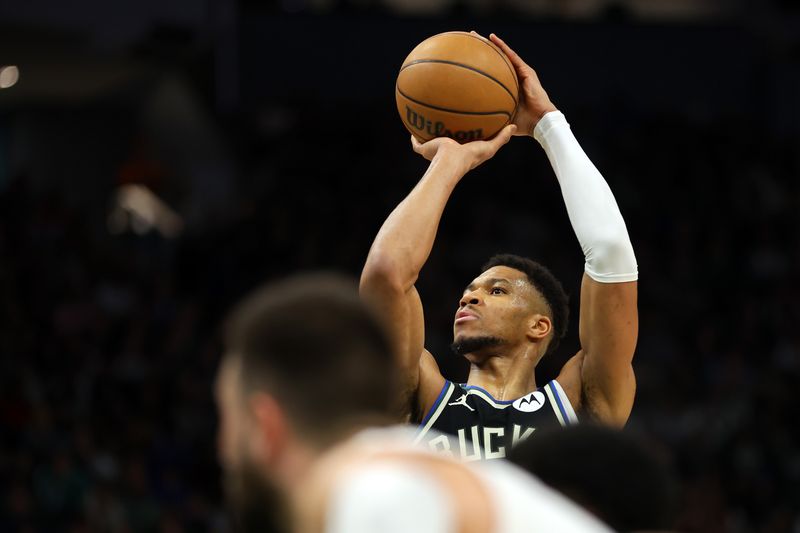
(491, 282)
(514, 281)
(499, 275)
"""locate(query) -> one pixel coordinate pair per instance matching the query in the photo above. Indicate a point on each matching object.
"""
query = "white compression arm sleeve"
(591, 206)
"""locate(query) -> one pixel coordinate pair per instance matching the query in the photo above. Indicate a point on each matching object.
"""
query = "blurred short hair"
(310, 342)
(606, 471)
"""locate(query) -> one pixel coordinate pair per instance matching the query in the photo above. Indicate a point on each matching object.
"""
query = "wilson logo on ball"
(438, 129)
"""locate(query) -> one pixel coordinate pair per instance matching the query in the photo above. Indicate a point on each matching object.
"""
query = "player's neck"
(295, 465)
(506, 376)
(310, 459)
(298, 475)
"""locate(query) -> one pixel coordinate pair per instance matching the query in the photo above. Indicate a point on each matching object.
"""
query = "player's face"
(496, 304)
(254, 501)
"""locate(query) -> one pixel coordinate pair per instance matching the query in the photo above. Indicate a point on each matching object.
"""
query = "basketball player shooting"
(515, 311)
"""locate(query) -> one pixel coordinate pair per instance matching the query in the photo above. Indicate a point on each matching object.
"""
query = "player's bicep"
(609, 328)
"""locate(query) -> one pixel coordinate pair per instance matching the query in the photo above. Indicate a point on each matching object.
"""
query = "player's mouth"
(465, 316)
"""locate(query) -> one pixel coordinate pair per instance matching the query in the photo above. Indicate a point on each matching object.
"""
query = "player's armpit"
(570, 380)
(431, 383)
(609, 328)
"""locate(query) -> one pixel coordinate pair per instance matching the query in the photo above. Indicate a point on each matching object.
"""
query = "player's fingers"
(415, 144)
(508, 132)
(502, 138)
(503, 46)
(476, 34)
(512, 55)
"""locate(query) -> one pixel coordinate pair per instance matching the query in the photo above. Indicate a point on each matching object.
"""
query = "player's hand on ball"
(470, 154)
(533, 99)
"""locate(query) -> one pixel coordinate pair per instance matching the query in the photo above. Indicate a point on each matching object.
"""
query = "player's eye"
(497, 290)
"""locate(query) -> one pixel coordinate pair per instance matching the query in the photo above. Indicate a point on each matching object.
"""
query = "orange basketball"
(458, 85)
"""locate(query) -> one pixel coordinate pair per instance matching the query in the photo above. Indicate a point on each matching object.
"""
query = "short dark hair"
(548, 286)
(315, 346)
(609, 472)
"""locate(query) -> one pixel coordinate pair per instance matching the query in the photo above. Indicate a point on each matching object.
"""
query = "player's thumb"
(415, 144)
(505, 135)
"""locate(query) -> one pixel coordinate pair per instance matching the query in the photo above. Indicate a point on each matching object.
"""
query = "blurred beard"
(474, 344)
(255, 504)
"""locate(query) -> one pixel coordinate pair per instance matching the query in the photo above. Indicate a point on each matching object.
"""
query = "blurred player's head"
(514, 302)
(305, 365)
(606, 471)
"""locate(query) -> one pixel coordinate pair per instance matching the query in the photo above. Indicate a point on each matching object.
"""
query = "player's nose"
(469, 298)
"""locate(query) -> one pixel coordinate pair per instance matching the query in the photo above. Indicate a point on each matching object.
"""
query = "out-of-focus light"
(137, 208)
(8, 76)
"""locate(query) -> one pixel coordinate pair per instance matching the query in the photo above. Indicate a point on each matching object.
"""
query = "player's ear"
(271, 432)
(539, 327)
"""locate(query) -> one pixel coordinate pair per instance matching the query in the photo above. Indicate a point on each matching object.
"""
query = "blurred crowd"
(570, 9)
(110, 342)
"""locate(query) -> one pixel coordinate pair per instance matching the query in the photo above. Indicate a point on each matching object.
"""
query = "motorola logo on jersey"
(530, 402)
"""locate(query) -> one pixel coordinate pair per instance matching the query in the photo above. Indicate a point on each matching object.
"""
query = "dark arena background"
(159, 159)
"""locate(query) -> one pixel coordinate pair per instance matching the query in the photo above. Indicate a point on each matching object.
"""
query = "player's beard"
(255, 504)
(467, 345)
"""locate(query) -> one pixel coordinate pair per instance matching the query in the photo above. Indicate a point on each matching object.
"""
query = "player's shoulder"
(373, 479)
(377, 496)
(571, 381)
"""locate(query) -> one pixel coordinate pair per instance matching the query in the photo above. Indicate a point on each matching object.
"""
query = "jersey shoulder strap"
(436, 409)
(560, 403)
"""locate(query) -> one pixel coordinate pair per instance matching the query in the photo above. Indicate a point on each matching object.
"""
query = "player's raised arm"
(401, 248)
(608, 313)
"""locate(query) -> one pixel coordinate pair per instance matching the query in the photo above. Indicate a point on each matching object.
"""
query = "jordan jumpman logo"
(462, 401)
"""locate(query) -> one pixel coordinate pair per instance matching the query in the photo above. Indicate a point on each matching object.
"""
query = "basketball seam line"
(438, 108)
(502, 55)
(456, 64)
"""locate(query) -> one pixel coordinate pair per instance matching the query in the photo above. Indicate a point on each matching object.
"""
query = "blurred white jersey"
(387, 491)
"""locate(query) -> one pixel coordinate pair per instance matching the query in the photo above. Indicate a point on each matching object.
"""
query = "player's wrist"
(549, 121)
(539, 115)
(453, 163)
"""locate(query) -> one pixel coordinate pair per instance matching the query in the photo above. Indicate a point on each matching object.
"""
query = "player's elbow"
(611, 258)
(618, 417)
(614, 414)
(382, 275)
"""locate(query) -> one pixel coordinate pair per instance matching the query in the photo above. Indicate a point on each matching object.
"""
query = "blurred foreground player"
(515, 312)
(307, 368)
(606, 471)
